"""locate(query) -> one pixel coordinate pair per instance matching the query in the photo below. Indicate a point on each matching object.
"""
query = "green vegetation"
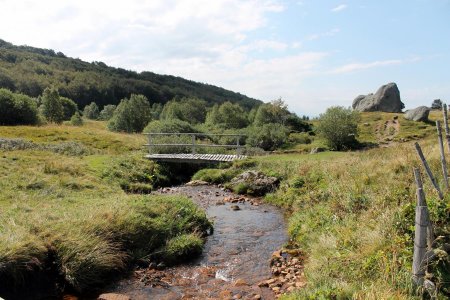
(76, 119)
(78, 208)
(52, 107)
(352, 213)
(339, 127)
(17, 109)
(30, 71)
(91, 111)
(107, 112)
(132, 115)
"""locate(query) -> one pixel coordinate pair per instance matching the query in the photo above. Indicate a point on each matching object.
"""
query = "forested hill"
(30, 70)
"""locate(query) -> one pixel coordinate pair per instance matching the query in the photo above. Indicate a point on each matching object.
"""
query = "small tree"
(107, 112)
(91, 111)
(76, 119)
(339, 127)
(69, 107)
(268, 136)
(437, 104)
(131, 115)
(52, 107)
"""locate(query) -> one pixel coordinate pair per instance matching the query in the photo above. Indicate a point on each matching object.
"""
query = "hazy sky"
(311, 53)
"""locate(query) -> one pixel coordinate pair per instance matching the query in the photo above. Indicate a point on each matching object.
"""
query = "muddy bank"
(236, 257)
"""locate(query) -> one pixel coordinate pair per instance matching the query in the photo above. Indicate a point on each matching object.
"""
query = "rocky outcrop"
(255, 183)
(386, 99)
(418, 114)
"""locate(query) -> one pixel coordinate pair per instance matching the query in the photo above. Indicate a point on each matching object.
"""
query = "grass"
(352, 213)
(86, 214)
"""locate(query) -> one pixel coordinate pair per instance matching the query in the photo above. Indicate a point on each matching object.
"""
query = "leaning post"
(421, 201)
(446, 128)
(428, 170)
(441, 149)
(420, 235)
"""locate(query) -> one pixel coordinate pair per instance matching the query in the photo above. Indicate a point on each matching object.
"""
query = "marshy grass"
(70, 213)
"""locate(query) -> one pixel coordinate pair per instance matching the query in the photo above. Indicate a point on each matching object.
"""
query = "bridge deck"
(196, 158)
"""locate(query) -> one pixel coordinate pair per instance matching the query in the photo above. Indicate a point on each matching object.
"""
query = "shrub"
(227, 116)
(91, 111)
(107, 112)
(131, 115)
(52, 107)
(17, 109)
(339, 127)
(191, 110)
(76, 119)
(69, 107)
(268, 136)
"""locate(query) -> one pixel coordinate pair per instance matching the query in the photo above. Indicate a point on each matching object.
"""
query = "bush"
(91, 111)
(52, 107)
(76, 120)
(227, 116)
(169, 126)
(17, 109)
(69, 107)
(131, 115)
(339, 127)
(107, 112)
(268, 136)
(191, 110)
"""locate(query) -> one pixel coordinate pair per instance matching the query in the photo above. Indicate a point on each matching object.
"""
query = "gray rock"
(386, 99)
(418, 114)
(256, 182)
(316, 150)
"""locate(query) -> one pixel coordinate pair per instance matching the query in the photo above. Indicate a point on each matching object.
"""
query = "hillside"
(30, 70)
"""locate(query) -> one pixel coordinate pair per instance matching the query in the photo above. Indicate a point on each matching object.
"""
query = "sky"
(313, 54)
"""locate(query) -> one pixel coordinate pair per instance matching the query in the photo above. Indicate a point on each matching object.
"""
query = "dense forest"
(30, 70)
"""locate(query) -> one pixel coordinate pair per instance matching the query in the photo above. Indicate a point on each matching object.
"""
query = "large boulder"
(386, 99)
(254, 183)
(418, 114)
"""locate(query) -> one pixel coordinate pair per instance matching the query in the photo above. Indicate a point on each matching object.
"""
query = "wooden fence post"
(441, 149)
(446, 128)
(428, 170)
(420, 235)
(421, 201)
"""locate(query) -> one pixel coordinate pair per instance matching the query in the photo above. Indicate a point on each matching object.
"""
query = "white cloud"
(339, 8)
(329, 33)
(362, 66)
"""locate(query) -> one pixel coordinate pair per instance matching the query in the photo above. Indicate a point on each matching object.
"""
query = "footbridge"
(194, 147)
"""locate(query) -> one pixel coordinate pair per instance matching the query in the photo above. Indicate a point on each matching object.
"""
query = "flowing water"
(235, 258)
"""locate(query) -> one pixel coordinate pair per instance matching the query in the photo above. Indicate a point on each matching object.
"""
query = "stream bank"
(236, 258)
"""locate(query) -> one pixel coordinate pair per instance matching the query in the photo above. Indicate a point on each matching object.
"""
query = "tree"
(131, 115)
(91, 111)
(437, 104)
(227, 116)
(52, 107)
(17, 109)
(273, 112)
(192, 110)
(268, 136)
(107, 112)
(69, 107)
(339, 127)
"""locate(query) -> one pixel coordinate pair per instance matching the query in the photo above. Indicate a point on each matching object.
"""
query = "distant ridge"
(30, 70)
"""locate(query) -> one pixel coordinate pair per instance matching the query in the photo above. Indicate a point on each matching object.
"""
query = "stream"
(236, 257)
